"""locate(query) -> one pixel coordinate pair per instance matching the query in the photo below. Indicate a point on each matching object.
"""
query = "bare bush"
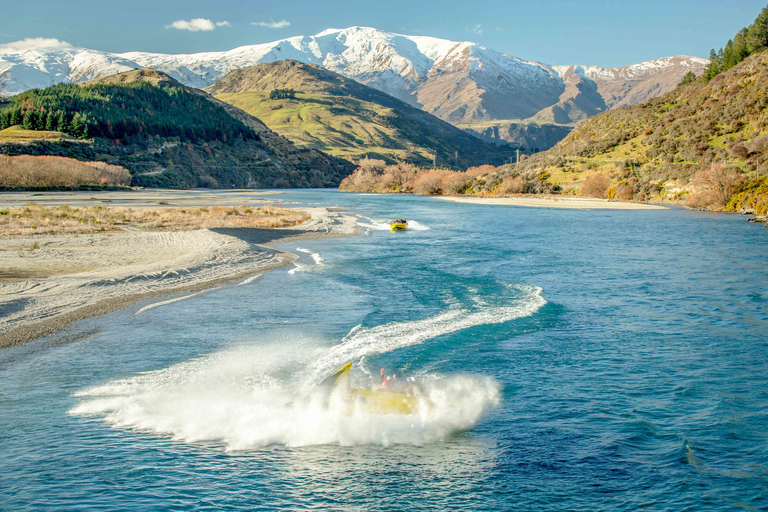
(372, 164)
(714, 186)
(362, 180)
(512, 185)
(456, 183)
(27, 171)
(596, 186)
(430, 183)
(398, 177)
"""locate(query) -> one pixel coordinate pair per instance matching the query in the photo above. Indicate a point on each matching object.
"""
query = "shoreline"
(575, 203)
(159, 264)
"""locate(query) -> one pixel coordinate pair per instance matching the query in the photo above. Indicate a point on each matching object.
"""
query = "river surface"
(574, 360)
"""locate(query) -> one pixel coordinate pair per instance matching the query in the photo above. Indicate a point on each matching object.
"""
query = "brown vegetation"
(36, 219)
(715, 186)
(596, 186)
(25, 172)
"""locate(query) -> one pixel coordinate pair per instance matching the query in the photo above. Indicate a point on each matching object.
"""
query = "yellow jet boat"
(370, 401)
(398, 224)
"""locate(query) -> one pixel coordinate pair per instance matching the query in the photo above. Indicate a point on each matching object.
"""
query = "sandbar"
(66, 278)
(575, 203)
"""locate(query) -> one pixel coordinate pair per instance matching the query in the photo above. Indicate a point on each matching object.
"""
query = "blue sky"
(605, 33)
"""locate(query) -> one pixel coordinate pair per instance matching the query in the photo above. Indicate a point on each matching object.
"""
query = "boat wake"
(259, 395)
(237, 400)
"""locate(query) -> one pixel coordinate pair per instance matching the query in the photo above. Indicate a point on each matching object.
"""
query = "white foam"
(374, 224)
(250, 279)
(315, 256)
(417, 226)
(261, 395)
(165, 302)
(383, 225)
(246, 399)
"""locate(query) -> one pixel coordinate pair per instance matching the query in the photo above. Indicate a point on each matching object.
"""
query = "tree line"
(123, 111)
(282, 94)
(747, 41)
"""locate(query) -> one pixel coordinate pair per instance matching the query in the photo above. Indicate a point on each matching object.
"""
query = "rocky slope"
(348, 119)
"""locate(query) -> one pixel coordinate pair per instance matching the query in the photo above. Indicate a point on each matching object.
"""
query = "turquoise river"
(575, 360)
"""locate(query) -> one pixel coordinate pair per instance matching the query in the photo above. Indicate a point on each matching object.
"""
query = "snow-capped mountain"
(461, 82)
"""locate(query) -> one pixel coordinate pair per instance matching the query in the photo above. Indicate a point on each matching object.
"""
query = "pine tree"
(689, 77)
(757, 34)
(77, 127)
(729, 59)
(713, 68)
(61, 122)
(31, 119)
(15, 117)
(50, 121)
(740, 45)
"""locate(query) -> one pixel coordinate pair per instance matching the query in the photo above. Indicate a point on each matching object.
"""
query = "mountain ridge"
(460, 82)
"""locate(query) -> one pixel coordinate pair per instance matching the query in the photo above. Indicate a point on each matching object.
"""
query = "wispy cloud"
(197, 24)
(477, 29)
(34, 42)
(272, 23)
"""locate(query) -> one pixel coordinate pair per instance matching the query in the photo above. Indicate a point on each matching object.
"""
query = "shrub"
(429, 183)
(596, 186)
(714, 186)
(53, 171)
(512, 185)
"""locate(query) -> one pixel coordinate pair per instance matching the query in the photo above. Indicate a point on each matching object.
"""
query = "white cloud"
(477, 29)
(272, 23)
(197, 24)
(34, 42)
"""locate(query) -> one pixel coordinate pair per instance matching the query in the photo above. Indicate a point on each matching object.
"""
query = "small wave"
(250, 280)
(165, 302)
(315, 256)
(417, 226)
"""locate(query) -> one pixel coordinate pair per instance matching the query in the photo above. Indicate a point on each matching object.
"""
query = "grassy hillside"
(652, 151)
(347, 119)
(17, 133)
(166, 134)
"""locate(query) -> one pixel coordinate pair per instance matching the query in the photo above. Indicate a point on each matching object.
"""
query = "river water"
(575, 360)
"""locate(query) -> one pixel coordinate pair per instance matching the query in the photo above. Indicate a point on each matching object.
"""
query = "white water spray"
(260, 395)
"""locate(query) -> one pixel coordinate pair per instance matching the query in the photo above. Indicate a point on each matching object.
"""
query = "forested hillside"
(166, 134)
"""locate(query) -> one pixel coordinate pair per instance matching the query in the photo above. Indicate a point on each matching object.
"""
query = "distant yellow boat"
(370, 401)
(398, 224)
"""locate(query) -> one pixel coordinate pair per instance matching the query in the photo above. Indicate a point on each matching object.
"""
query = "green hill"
(166, 134)
(340, 116)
